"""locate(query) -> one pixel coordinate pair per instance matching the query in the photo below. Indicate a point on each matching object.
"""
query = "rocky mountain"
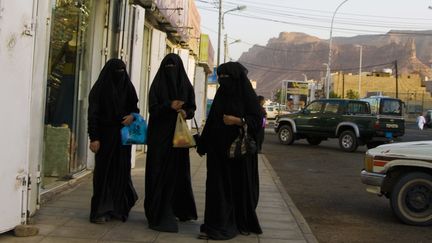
(293, 55)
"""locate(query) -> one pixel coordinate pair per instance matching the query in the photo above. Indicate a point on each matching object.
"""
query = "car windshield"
(391, 107)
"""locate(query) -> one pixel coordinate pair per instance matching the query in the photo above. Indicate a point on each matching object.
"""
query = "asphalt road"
(324, 183)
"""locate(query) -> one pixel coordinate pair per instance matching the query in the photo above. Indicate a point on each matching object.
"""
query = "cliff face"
(293, 54)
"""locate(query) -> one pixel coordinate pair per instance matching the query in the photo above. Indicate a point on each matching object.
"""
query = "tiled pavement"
(65, 218)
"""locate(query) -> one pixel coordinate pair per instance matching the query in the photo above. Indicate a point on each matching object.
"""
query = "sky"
(262, 20)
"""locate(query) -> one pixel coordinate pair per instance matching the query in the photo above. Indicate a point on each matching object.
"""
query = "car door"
(330, 117)
(308, 119)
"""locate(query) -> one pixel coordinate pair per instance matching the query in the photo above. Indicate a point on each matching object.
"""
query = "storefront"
(56, 50)
(84, 35)
(202, 80)
(67, 86)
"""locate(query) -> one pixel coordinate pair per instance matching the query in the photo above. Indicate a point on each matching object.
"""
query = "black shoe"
(99, 220)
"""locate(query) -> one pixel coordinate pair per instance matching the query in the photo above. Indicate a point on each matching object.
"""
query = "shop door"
(65, 139)
(16, 65)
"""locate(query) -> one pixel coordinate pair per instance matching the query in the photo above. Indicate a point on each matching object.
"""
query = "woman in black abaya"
(168, 189)
(232, 185)
(112, 99)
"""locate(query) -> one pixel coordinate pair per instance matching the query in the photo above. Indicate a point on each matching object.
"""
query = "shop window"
(69, 26)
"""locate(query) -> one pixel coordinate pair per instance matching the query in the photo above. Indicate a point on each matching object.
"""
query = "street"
(324, 184)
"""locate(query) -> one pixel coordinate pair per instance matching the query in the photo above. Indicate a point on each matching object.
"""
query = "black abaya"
(232, 186)
(168, 188)
(111, 98)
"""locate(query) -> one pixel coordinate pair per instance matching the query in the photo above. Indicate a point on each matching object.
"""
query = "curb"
(301, 222)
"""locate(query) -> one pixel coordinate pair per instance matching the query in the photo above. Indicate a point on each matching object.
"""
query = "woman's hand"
(94, 146)
(183, 113)
(232, 120)
(177, 104)
(127, 120)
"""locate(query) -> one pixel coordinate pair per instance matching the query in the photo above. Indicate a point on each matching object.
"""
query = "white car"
(403, 173)
(271, 112)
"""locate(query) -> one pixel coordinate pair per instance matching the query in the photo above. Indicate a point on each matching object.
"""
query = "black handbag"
(243, 145)
(197, 135)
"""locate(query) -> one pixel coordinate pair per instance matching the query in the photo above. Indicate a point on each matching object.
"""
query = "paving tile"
(190, 228)
(281, 217)
(10, 238)
(65, 219)
(272, 210)
(45, 229)
(134, 234)
(79, 232)
(282, 234)
(241, 239)
(66, 240)
(178, 238)
(280, 225)
(51, 219)
(85, 223)
(281, 241)
(85, 204)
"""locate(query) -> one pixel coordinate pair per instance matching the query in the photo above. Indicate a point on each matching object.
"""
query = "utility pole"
(225, 47)
(219, 33)
(343, 85)
(397, 77)
(360, 70)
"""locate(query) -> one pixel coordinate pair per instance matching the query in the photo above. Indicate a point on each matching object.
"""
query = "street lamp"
(305, 77)
(226, 45)
(330, 49)
(360, 69)
(324, 85)
(221, 25)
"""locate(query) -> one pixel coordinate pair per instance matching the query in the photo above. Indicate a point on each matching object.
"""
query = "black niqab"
(171, 81)
(232, 186)
(111, 98)
(168, 189)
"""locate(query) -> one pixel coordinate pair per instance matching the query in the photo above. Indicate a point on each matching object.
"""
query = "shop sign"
(297, 87)
(206, 53)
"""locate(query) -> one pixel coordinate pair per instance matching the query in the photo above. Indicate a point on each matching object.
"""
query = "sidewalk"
(65, 219)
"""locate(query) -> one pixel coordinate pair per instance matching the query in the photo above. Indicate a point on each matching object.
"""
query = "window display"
(65, 67)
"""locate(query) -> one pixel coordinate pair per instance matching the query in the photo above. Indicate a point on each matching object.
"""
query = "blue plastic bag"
(136, 132)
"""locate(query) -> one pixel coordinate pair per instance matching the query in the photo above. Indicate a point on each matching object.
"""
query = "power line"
(313, 26)
(258, 66)
(328, 12)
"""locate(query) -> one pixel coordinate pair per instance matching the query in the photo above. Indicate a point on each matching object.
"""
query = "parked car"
(402, 172)
(271, 112)
(388, 111)
(428, 117)
(350, 121)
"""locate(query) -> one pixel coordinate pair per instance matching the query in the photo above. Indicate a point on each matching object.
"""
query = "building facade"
(51, 55)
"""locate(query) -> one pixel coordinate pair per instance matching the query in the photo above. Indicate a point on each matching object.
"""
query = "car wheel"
(348, 141)
(411, 199)
(286, 135)
(314, 140)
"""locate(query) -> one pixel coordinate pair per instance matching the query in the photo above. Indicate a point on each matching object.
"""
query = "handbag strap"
(196, 126)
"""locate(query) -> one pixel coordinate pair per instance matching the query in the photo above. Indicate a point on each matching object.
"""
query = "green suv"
(351, 121)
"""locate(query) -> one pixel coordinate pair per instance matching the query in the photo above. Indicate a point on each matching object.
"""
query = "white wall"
(98, 57)
(191, 69)
(200, 94)
(16, 68)
(158, 44)
(184, 55)
(37, 103)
